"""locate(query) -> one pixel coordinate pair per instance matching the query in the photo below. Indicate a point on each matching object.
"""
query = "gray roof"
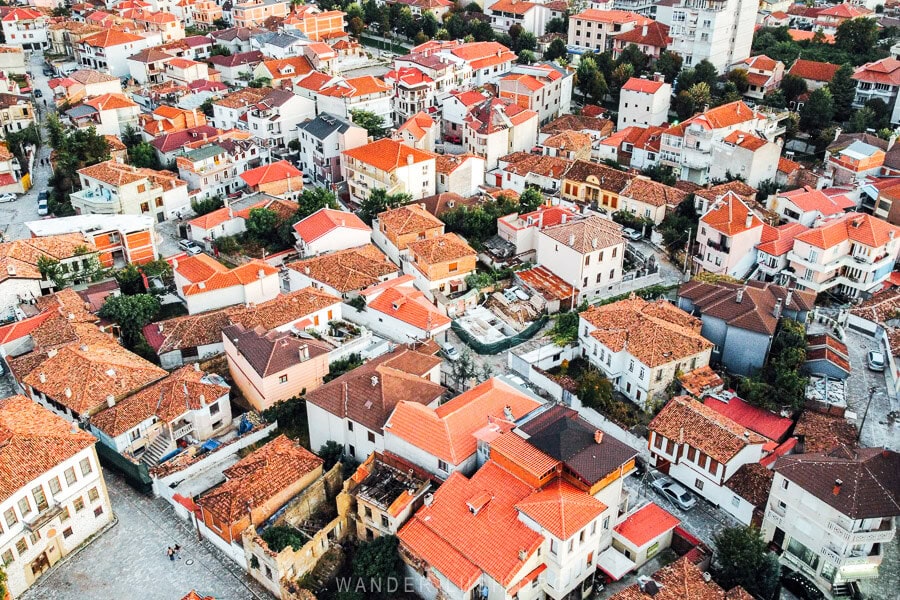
(324, 125)
(205, 152)
(281, 40)
(82, 110)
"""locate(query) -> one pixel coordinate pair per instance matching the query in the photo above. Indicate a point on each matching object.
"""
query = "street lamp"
(865, 413)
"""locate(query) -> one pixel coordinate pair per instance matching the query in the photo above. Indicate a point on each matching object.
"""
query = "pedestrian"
(170, 553)
(177, 550)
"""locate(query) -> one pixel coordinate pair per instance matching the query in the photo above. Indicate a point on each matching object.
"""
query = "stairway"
(159, 448)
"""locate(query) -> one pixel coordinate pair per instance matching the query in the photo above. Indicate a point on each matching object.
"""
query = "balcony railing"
(43, 517)
(179, 430)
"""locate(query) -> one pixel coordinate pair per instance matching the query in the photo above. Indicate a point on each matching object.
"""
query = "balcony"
(43, 517)
(885, 532)
(181, 429)
(721, 246)
(775, 516)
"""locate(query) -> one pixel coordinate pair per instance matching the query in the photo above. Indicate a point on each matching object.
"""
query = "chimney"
(202, 400)
(659, 77)
(196, 366)
(572, 239)
(598, 436)
(507, 413)
(776, 312)
(837, 133)
(428, 498)
(749, 222)
(409, 159)
(644, 30)
(68, 392)
(374, 380)
(522, 555)
(563, 219)
(174, 263)
(110, 401)
(788, 298)
(739, 296)
(43, 377)
(261, 274)
(837, 487)
(74, 428)
(304, 352)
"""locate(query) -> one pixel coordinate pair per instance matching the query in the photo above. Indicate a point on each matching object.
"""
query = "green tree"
(684, 105)
(700, 93)
(526, 57)
(356, 26)
(131, 313)
(669, 65)
(530, 200)
(595, 390)
(379, 201)
(331, 452)
(51, 271)
(739, 78)
(843, 92)
(262, 224)
(565, 328)
(661, 174)
(203, 207)
(620, 76)
(590, 80)
(220, 23)
(219, 50)
(793, 87)
(75, 149)
(706, 72)
(632, 55)
(857, 36)
(525, 41)
(313, 199)
(557, 25)
(556, 50)
(279, 537)
(861, 120)
(818, 111)
(369, 121)
(742, 559)
(130, 280)
(377, 564)
(775, 99)
(143, 155)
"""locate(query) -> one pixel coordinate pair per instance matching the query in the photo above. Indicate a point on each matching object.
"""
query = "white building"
(274, 119)
(720, 31)
(833, 515)
(108, 51)
(496, 127)
(644, 102)
(54, 499)
(742, 154)
(323, 140)
(329, 230)
(113, 188)
(206, 284)
(389, 165)
(398, 311)
(26, 28)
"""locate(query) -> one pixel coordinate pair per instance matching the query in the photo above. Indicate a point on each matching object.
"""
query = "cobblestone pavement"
(129, 560)
(876, 431)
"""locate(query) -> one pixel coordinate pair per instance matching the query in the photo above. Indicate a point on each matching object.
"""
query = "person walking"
(170, 553)
(177, 550)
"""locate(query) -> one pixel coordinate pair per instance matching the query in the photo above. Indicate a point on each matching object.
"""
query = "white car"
(190, 247)
(674, 492)
(450, 351)
(8, 197)
(632, 234)
(875, 361)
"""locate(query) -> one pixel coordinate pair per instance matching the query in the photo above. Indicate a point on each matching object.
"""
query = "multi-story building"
(53, 500)
(532, 17)
(389, 165)
(419, 131)
(26, 28)
(807, 205)
(641, 345)
(342, 272)
(815, 74)
(851, 254)
(108, 51)
(275, 117)
(726, 237)
(390, 490)
(279, 178)
(763, 74)
(589, 183)
(650, 199)
(541, 87)
(644, 102)
(113, 188)
(206, 284)
(209, 172)
(742, 154)
(237, 69)
(119, 239)
(253, 14)
(719, 31)
(879, 79)
(328, 230)
(16, 112)
(497, 127)
(650, 38)
(323, 141)
(440, 264)
(833, 514)
(595, 30)
(829, 19)
(394, 230)
(367, 93)
(586, 253)
(396, 310)
(854, 163)
(316, 24)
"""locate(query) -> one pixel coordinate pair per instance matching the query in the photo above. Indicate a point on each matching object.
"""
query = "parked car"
(674, 492)
(632, 234)
(38, 93)
(875, 360)
(43, 207)
(450, 351)
(798, 584)
(7, 197)
(190, 246)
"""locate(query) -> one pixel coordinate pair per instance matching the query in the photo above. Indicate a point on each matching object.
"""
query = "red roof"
(20, 329)
(777, 241)
(643, 86)
(646, 524)
(388, 155)
(886, 71)
(277, 171)
(326, 220)
(865, 229)
(729, 215)
(561, 508)
(809, 199)
(409, 305)
(756, 419)
(813, 70)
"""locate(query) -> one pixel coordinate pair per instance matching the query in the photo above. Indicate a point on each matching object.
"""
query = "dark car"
(802, 587)
(38, 94)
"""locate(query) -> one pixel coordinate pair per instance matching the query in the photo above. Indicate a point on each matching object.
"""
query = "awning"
(614, 563)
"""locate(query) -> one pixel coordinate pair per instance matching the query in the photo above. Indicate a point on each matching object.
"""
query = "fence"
(136, 474)
(504, 344)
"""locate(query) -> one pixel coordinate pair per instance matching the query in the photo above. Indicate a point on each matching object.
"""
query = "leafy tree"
(764, 189)
(843, 92)
(775, 99)
(742, 559)
(793, 87)
(478, 223)
(220, 23)
(684, 105)
(632, 55)
(131, 137)
(565, 328)
(369, 121)
(557, 25)
(74, 150)
(130, 280)
(131, 313)
(143, 155)
(669, 65)
(279, 537)
(377, 564)
(880, 108)
(203, 207)
(219, 50)
(262, 224)
(706, 72)
(556, 50)
(525, 41)
(739, 78)
(700, 93)
(430, 24)
(620, 76)
(857, 36)
(590, 80)
(595, 390)
(818, 111)
(379, 201)
(861, 120)
(50, 270)
(207, 107)
(356, 25)
(526, 57)
(313, 199)
(331, 452)
(677, 225)
(530, 200)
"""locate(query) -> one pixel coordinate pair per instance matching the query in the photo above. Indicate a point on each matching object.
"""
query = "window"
(371, 437)
(735, 501)
(606, 522)
(21, 546)
(658, 441)
(641, 374)
(784, 484)
(554, 547)
(581, 536)
(670, 447)
(368, 512)
(587, 260)
(10, 516)
(442, 466)
(571, 546)
(67, 532)
(65, 515)
(713, 466)
(698, 484)
(282, 379)
(39, 498)
(24, 506)
(803, 553)
(85, 465)
(55, 487)
(79, 504)
(7, 557)
(35, 537)
(98, 511)
(631, 366)
(352, 451)
(93, 494)
(692, 453)
(453, 267)
(214, 408)
(349, 425)
(384, 521)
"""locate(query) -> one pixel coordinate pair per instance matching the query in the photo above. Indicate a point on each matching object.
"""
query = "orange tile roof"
(259, 477)
(356, 86)
(745, 140)
(726, 115)
(167, 399)
(417, 125)
(811, 199)
(646, 524)
(447, 431)
(409, 305)
(411, 218)
(611, 16)
(690, 422)
(761, 62)
(518, 451)
(388, 155)
(462, 543)
(82, 377)
(277, 171)
(561, 508)
(643, 86)
(33, 441)
(347, 270)
(435, 250)
(326, 220)
(20, 329)
(861, 228)
(293, 66)
(241, 275)
(681, 580)
(111, 37)
(110, 102)
(700, 380)
(729, 216)
(199, 267)
(656, 333)
(813, 70)
(514, 7)
(777, 241)
(592, 233)
(19, 258)
(283, 309)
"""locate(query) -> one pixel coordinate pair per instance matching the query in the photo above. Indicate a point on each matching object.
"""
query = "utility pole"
(687, 251)
(865, 413)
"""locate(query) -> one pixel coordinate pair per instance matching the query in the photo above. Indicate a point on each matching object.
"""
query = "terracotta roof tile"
(677, 581)
(271, 352)
(824, 433)
(653, 193)
(586, 235)
(407, 304)
(561, 508)
(752, 482)
(778, 241)
(646, 524)
(347, 270)
(729, 215)
(326, 220)
(760, 420)
(857, 227)
(516, 449)
(387, 154)
(283, 309)
(435, 250)
(813, 70)
(189, 331)
(33, 441)
(411, 218)
(277, 171)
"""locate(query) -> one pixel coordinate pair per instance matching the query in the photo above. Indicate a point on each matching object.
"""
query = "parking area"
(877, 431)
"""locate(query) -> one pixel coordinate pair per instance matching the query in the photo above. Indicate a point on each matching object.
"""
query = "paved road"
(129, 560)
